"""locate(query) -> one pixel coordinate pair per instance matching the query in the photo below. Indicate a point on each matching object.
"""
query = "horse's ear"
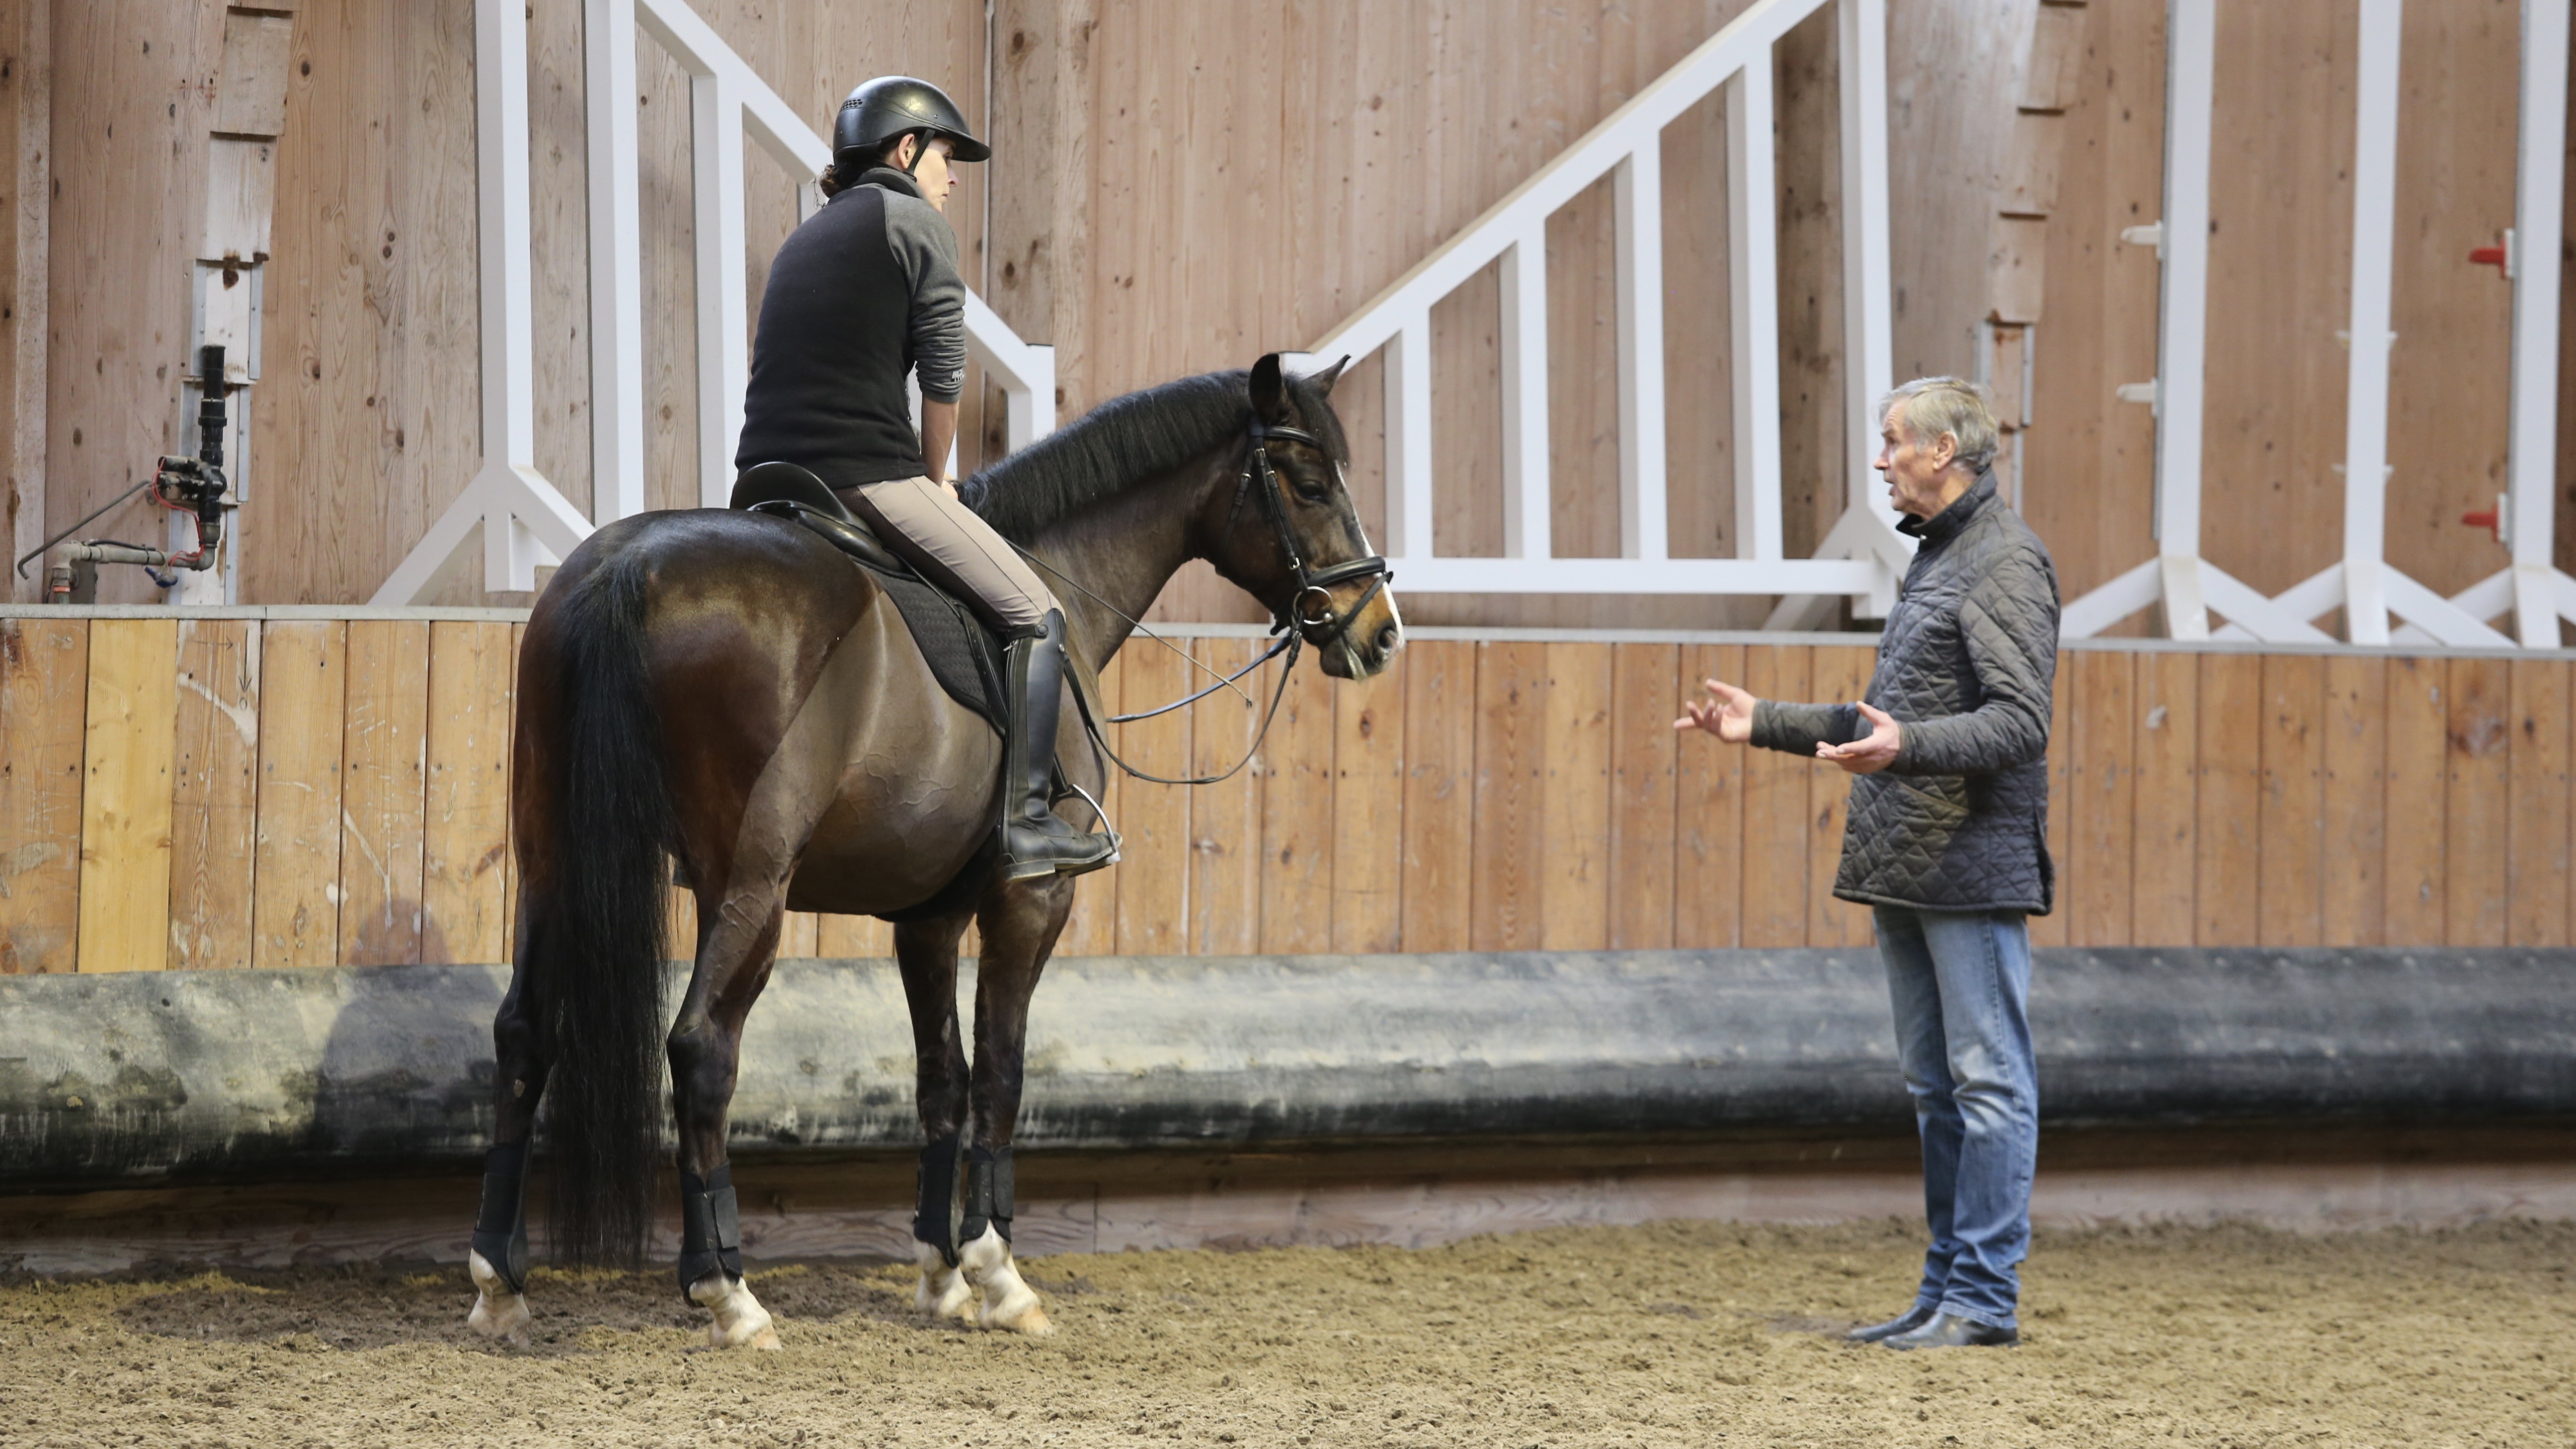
(1325, 379)
(1270, 393)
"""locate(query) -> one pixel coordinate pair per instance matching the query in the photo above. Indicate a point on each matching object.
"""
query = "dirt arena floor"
(1673, 1334)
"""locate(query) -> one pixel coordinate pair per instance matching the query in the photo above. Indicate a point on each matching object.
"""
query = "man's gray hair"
(1953, 405)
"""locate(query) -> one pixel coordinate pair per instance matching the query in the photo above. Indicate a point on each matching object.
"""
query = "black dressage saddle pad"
(963, 655)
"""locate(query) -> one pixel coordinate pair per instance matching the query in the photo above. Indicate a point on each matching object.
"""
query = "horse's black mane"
(1124, 441)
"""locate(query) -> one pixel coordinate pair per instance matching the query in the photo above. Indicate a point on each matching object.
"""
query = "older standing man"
(1946, 840)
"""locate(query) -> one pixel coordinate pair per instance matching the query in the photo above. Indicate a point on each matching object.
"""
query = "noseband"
(1314, 584)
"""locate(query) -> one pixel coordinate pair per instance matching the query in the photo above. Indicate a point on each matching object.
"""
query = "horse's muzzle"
(1367, 646)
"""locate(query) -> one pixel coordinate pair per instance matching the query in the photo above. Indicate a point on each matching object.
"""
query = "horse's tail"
(598, 933)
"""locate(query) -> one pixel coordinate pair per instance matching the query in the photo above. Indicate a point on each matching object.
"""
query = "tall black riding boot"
(1034, 841)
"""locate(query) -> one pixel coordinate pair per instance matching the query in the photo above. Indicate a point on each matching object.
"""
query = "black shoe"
(1949, 1330)
(1911, 1319)
(1035, 842)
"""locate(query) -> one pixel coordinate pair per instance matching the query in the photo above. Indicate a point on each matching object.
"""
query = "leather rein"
(1290, 624)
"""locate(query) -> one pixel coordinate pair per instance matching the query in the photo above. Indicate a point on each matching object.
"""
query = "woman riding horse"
(728, 688)
(863, 293)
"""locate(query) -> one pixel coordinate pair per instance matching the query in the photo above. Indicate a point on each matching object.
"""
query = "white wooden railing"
(1863, 555)
(2381, 605)
(524, 519)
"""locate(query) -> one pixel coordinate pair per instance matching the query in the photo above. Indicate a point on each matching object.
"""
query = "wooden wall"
(26, 139)
(2280, 291)
(1183, 185)
(1260, 171)
(310, 791)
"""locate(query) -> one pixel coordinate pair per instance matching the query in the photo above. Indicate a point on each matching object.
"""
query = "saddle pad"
(962, 653)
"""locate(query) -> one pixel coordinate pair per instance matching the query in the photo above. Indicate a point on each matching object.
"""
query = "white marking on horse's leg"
(498, 1312)
(740, 1321)
(1009, 1302)
(942, 1292)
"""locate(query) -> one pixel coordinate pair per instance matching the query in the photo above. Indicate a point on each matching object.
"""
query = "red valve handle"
(2490, 257)
(2486, 518)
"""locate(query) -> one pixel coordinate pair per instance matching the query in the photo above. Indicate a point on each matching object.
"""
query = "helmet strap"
(920, 148)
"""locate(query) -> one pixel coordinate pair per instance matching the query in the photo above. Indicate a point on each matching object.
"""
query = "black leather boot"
(1035, 842)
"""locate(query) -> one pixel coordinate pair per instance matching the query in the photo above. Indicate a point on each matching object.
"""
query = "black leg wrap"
(934, 1198)
(710, 1227)
(988, 1193)
(501, 1229)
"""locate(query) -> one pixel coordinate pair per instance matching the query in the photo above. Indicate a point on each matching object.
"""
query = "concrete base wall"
(248, 1076)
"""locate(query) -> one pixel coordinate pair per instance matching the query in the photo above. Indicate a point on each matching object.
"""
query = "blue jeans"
(1960, 981)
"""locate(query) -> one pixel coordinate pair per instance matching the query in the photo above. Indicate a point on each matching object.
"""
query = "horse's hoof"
(740, 1321)
(942, 1291)
(498, 1312)
(1009, 1302)
(1019, 1313)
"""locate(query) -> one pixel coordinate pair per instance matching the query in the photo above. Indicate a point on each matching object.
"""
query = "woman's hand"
(1727, 713)
(1873, 752)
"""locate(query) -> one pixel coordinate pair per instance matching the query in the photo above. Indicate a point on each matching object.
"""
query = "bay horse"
(728, 689)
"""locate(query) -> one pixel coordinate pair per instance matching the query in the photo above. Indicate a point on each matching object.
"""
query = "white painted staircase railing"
(524, 520)
(1863, 555)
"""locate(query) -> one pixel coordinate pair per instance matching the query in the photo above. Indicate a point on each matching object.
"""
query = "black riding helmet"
(892, 106)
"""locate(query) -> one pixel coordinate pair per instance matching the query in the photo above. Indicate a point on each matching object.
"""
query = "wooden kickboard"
(126, 770)
(214, 812)
(44, 712)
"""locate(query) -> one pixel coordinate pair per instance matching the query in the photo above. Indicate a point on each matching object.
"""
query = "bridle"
(1315, 583)
(1290, 623)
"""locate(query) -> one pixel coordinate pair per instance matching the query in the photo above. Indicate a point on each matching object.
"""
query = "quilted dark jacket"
(1960, 821)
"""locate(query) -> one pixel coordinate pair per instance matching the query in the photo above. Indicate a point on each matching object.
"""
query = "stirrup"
(1062, 850)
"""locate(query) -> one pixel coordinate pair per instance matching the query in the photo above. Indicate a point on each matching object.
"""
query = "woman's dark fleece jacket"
(864, 292)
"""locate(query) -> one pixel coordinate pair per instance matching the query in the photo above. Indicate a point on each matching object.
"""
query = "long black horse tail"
(601, 928)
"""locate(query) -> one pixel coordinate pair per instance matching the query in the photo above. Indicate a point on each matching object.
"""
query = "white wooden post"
(1527, 518)
(2532, 446)
(1639, 199)
(1753, 238)
(2191, 43)
(2374, 222)
(508, 298)
(617, 426)
(724, 306)
(1408, 440)
(1869, 339)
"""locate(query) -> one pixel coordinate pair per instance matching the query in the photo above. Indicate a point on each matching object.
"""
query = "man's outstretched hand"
(1727, 713)
(1872, 753)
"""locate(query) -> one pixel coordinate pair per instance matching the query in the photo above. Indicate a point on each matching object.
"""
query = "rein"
(1289, 624)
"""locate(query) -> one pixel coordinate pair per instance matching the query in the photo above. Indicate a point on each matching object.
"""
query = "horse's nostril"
(1386, 641)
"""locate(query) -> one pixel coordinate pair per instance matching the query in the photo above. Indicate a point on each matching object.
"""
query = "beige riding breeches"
(954, 549)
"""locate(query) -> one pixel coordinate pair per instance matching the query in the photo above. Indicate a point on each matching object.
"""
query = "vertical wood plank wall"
(231, 792)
